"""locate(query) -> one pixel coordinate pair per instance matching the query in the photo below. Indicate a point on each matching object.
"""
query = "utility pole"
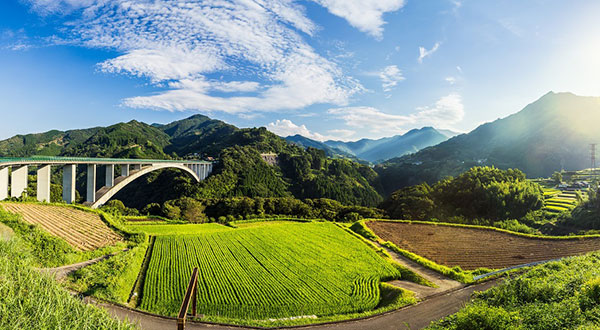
(593, 159)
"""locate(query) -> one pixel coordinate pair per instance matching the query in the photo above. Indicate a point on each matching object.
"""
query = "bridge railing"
(191, 294)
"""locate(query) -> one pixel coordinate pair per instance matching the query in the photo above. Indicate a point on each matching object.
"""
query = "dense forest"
(481, 195)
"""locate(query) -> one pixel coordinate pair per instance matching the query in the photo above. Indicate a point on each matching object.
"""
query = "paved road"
(412, 317)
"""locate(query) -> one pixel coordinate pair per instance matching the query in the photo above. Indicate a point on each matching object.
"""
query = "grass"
(32, 300)
(48, 250)
(178, 229)
(111, 279)
(557, 295)
(269, 272)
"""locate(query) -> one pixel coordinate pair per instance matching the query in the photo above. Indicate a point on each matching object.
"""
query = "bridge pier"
(3, 183)
(43, 183)
(14, 175)
(91, 183)
(18, 184)
(110, 175)
(69, 174)
(125, 170)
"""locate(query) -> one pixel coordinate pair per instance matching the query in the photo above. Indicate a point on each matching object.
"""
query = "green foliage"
(454, 273)
(46, 250)
(482, 194)
(557, 177)
(274, 271)
(360, 228)
(547, 135)
(110, 279)
(557, 295)
(178, 229)
(249, 208)
(32, 300)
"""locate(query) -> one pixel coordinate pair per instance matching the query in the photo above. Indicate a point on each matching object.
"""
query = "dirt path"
(444, 284)
(412, 317)
(62, 271)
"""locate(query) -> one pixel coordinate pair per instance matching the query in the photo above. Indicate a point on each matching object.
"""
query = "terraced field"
(83, 230)
(559, 201)
(471, 248)
(271, 271)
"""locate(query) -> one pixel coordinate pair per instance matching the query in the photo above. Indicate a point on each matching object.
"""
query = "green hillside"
(239, 171)
(551, 133)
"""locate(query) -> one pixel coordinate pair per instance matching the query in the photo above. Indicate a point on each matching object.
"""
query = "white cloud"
(365, 15)
(446, 112)
(426, 53)
(451, 80)
(390, 76)
(286, 127)
(180, 44)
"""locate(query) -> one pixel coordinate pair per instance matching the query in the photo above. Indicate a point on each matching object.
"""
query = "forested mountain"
(550, 134)
(329, 151)
(379, 150)
(240, 170)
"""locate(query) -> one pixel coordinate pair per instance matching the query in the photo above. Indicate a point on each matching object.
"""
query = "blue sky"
(327, 69)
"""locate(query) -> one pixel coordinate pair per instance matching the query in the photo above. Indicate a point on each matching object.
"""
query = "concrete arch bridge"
(14, 171)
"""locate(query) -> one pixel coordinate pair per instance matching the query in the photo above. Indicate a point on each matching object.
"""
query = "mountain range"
(550, 134)
(378, 150)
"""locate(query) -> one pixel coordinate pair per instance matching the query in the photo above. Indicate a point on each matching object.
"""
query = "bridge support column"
(69, 174)
(18, 184)
(91, 183)
(110, 175)
(3, 183)
(136, 167)
(43, 183)
(125, 170)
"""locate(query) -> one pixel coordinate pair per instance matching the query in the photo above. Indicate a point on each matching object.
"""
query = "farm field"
(178, 229)
(84, 231)
(472, 248)
(559, 201)
(269, 271)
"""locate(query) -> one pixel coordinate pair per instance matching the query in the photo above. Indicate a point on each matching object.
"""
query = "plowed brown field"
(82, 230)
(471, 248)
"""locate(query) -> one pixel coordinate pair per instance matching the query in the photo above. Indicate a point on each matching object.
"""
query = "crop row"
(267, 272)
(82, 230)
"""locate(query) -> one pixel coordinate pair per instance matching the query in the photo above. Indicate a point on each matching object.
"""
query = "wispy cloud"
(390, 76)
(451, 80)
(365, 15)
(179, 45)
(444, 113)
(423, 52)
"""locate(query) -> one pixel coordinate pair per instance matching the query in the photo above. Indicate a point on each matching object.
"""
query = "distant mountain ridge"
(550, 134)
(380, 149)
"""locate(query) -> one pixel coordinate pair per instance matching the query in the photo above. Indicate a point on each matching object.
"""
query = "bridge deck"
(88, 160)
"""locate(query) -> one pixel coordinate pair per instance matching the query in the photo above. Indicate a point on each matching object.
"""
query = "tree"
(557, 177)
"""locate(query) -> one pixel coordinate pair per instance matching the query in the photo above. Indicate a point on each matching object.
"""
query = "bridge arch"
(106, 193)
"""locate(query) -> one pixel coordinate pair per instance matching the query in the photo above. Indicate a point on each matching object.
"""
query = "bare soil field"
(471, 248)
(82, 230)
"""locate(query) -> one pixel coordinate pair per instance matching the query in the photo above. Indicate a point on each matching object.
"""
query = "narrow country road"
(443, 283)
(412, 317)
(61, 272)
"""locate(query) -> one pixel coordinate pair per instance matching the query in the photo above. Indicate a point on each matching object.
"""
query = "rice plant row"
(274, 271)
